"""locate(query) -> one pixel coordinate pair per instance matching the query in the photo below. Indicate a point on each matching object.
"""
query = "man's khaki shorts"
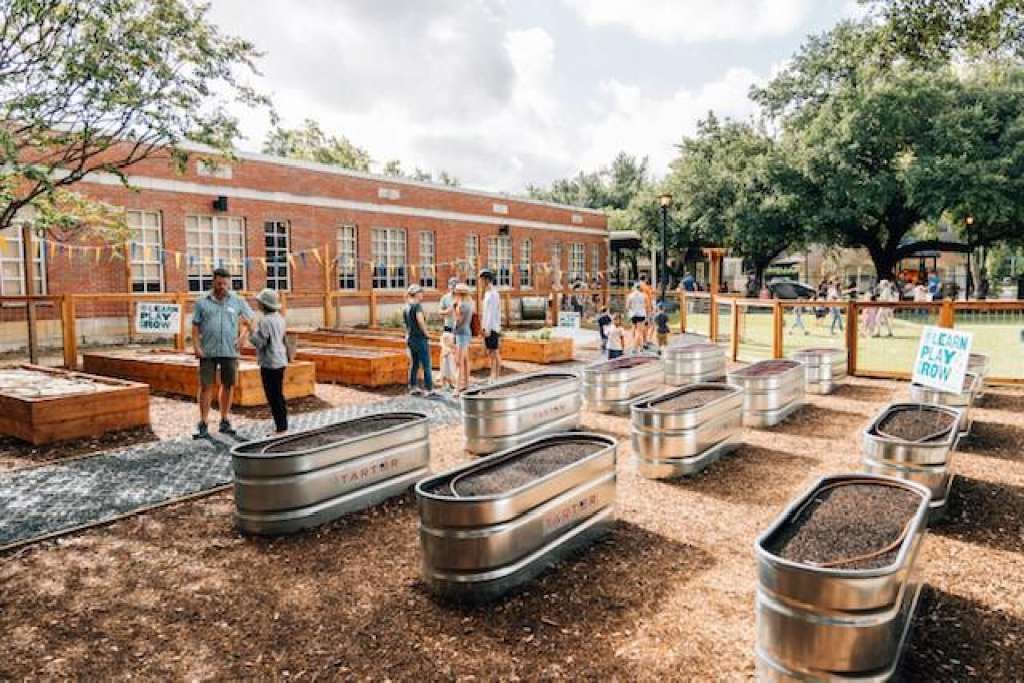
(208, 371)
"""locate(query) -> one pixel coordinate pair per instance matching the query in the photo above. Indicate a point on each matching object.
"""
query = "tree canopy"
(97, 86)
(308, 142)
(612, 187)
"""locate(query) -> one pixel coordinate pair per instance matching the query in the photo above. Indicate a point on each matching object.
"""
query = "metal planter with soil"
(682, 431)
(610, 386)
(698, 361)
(773, 390)
(492, 525)
(824, 368)
(914, 441)
(979, 364)
(299, 480)
(838, 584)
(519, 409)
(962, 401)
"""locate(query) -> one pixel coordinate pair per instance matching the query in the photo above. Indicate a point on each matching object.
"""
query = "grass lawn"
(1000, 340)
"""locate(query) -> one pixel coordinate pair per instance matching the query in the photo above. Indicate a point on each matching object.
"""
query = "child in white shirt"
(616, 337)
(449, 373)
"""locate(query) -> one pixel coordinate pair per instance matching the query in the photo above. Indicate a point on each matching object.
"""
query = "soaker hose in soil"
(866, 556)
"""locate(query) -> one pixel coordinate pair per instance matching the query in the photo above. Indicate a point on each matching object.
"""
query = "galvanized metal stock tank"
(926, 463)
(610, 386)
(825, 367)
(697, 361)
(816, 623)
(770, 397)
(963, 401)
(478, 547)
(493, 423)
(672, 443)
(284, 492)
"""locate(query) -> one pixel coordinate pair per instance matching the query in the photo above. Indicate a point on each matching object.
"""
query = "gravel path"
(178, 593)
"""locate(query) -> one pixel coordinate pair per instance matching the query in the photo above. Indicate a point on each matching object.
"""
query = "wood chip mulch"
(178, 593)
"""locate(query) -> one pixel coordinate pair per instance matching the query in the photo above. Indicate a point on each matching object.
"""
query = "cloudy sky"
(502, 93)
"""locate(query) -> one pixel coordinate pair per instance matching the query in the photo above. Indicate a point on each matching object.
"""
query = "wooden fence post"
(778, 322)
(179, 339)
(851, 337)
(713, 317)
(734, 338)
(682, 312)
(67, 319)
(946, 314)
(328, 288)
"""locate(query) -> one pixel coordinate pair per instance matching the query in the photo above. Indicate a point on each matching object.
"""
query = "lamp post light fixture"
(665, 201)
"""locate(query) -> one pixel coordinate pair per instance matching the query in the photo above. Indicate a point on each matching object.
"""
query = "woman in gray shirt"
(272, 355)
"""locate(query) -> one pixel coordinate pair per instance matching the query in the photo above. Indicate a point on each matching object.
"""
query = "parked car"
(790, 289)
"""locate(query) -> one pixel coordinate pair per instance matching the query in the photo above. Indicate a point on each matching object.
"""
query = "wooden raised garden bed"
(178, 373)
(541, 351)
(43, 405)
(386, 340)
(354, 365)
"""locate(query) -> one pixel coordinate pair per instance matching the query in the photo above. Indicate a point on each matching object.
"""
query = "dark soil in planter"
(848, 521)
(516, 388)
(692, 398)
(625, 363)
(914, 424)
(767, 367)
(520, 470)
(341, 432)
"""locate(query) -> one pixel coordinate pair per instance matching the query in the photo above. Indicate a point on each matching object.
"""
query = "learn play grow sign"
(942, 356)
(156, 318)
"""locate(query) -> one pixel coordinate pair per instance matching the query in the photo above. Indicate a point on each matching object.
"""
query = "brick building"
(275, 222)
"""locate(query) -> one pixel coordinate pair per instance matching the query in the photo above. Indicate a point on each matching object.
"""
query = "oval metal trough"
(609, 386)
(700, 361)
(773, 390)
(824, 368)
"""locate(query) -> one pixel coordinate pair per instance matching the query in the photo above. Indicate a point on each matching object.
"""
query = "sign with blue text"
(157, 318)
(569, 319)
(942, 356)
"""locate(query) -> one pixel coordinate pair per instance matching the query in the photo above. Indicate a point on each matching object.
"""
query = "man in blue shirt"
(689, 283)
(219, 321)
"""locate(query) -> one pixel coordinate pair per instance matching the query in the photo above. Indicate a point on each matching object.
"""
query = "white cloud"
(695, 21)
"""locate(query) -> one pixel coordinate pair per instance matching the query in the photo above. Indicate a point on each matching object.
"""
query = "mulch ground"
(668, 595)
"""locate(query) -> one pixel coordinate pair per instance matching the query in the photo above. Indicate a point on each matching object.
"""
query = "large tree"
(612, 187)
(99, 85)
(732, 186)
(309, 142)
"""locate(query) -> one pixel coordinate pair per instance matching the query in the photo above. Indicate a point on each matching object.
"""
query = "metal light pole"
(970, 274)
(665, 201)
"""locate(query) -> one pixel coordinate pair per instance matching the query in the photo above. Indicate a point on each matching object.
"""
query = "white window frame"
(216, 252)
(277, 256)
(525, 260)
(577, 261)
(12, 262)
(595, 260)
(389, 250)
(348, 257)
(428, 258)
(143, 224)
(499, 259)
(472, 259)
(556, 256)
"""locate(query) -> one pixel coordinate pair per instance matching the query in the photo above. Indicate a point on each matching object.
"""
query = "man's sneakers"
(226, 428)
(202, 431)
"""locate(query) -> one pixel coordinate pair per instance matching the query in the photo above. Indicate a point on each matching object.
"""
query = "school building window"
(146, 249)
(595, 260)
(275, 235)
(499, 258)
(348, 264)
(388, 248)
(12, 263)
(214, 242)
(428, 260)
(525, 257)
(577, 262)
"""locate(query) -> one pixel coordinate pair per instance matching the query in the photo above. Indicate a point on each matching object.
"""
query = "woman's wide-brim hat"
(268, 298)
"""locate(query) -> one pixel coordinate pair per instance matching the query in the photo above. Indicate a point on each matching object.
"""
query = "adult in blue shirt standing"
(219, 321)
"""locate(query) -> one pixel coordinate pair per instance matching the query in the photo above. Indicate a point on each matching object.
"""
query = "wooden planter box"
(354, 365)
(178, 373)
(388, 340)
(542, 351)
(50, 408)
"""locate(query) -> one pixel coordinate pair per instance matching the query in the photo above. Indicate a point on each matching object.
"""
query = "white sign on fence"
(942, 356)
(157, 318)
(569, 319)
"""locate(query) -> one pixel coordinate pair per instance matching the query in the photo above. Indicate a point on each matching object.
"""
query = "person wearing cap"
(447, 306)
(490, 323)
(219, 321)
(418, 341)
(272, 355)
(463, 307)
